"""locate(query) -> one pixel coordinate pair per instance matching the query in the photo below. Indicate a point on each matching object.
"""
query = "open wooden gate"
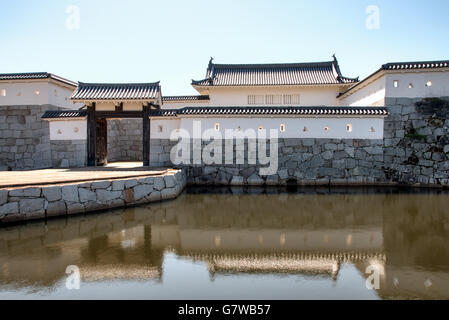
(102, 142)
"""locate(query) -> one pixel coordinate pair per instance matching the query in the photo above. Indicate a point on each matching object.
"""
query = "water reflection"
(306, 237)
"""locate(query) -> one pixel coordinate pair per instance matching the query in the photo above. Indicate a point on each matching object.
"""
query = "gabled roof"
(117, 91)
(35, 76)
(315, 73)
(185, 98)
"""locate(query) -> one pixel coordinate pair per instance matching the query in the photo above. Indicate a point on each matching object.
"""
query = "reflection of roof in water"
(282, 262)
(91, 273)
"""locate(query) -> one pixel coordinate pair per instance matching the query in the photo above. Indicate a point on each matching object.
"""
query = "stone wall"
(125, 140)
(68, 153)
(414, 151)
(303, 161)
(24, 137)
(416, 143)
(21, 204)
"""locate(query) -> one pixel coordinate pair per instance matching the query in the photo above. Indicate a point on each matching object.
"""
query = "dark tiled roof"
(186, 98)
(164, 112)
(117, 91)
(280, 111)
(317, 73)
(35, 76)
(243, 111)
(416, 65)
(64, 114)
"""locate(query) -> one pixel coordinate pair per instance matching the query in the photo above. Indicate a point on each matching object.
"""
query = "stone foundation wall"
(414, 151)
(68, 153)
(125, 140)
(21, 204)
(24, 137)
(416, 143)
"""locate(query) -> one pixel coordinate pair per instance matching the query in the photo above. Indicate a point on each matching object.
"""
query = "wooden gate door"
(101, 143)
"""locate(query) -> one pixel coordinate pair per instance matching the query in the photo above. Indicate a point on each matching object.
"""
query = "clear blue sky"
(171, 41)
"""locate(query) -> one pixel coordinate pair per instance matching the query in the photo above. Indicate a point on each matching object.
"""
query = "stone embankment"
(38, 202)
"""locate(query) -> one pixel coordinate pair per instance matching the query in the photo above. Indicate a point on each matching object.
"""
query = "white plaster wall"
(439, 88)
(162, 128)
(68, 130)
(60, 96)
(372, 94)
(293, 126)
(178, 105)
(110, 106)
(309, 96)
(24, 93)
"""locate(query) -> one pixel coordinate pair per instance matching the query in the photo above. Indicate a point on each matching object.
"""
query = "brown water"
(265, 244)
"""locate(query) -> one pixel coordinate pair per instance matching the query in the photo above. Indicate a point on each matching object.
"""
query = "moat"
(235, 243)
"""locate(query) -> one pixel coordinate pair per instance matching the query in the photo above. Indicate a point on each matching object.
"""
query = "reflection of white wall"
(25, 93)
(68, 130)
(199, 239)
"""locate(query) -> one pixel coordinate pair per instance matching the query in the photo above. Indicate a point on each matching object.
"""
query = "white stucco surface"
(36, 92)
(294, 127)
(68, 130)
(309, 96)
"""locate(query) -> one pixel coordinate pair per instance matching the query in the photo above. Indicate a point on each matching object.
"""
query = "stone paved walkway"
(115, 170)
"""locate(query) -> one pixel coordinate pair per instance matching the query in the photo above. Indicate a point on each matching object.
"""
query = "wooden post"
(91, 135)
(146, 134)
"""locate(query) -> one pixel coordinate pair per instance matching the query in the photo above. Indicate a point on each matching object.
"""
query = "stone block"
(283, 174)
(128, 195)
(56, 208)
(130, 183)
(52, 193)
(169, 181)
(118, 185)
(100, 185)
(159, 183)
(237, 181)
(154, 196)
(9, 208)
(168, 193)
(255, 180)
(272, 180)
(142, 190)
(31, 205)
(106, 195)
(148, 180)
(70, 193)
(3, 196)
